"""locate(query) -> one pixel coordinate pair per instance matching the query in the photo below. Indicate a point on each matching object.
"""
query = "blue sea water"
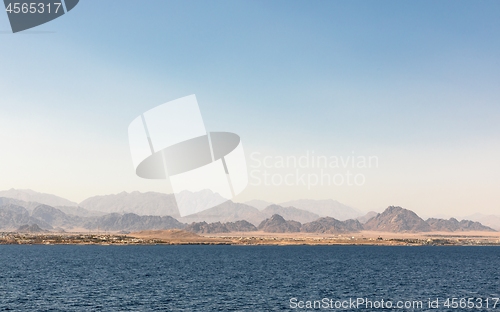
(241, 278)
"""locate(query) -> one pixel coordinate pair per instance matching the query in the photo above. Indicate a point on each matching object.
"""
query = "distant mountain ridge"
(367, 216)
(397, 219)
(453, 225)
(393, 219)
(231, 212)
(153, 203)
(277, 224)
(132, 222)
(55, 217)
(325, 208)
(32, 196)
(13, 216)
(227, 217)
(46, 217)
(150, 203)
(217, 227)
(332, 226)
(27, 205)
(259, 204)
(492, 221)
(226, 212)
(33, 228)
(290, 213)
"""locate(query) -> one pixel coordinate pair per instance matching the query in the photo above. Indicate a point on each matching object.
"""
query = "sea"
(248, 278)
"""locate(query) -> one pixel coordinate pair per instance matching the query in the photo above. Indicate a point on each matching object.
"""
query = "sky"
(414, 84)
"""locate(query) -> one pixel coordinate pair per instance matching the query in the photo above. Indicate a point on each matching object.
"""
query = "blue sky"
(415, 83)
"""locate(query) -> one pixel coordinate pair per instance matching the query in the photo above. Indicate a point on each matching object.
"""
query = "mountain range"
(32, 196)
(397, 219)
(231, 212)
(393, 219)
(150, 203)
(46, 217)
(492, 221)
(400, 220)
(218, 227)
(319, 208)
(327, 225)
(325, 208)
(277, 224)
(113, 213)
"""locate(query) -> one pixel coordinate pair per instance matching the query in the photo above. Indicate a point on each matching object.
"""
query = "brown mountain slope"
(276, 224)
(453, 225)
(397, 219)
(332, 226)
(367, 217)
(217, 227)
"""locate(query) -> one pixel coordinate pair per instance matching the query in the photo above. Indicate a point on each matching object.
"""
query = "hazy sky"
(416, 84)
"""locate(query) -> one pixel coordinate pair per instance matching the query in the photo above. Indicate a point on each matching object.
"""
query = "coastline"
(180, 237)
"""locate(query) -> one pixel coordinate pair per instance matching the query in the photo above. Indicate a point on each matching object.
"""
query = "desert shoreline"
(257, 238)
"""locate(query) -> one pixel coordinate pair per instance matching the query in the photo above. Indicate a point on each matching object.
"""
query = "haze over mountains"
(230, 212)
(159, 211)
(366, 217)
(150, 203)
(393, 219)
(259, 204)
(32, 196)
(327, 225)
(46, 217)
(492, 221)
(325, 208)
(322, 208)
(218, 227)
(396, 219)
